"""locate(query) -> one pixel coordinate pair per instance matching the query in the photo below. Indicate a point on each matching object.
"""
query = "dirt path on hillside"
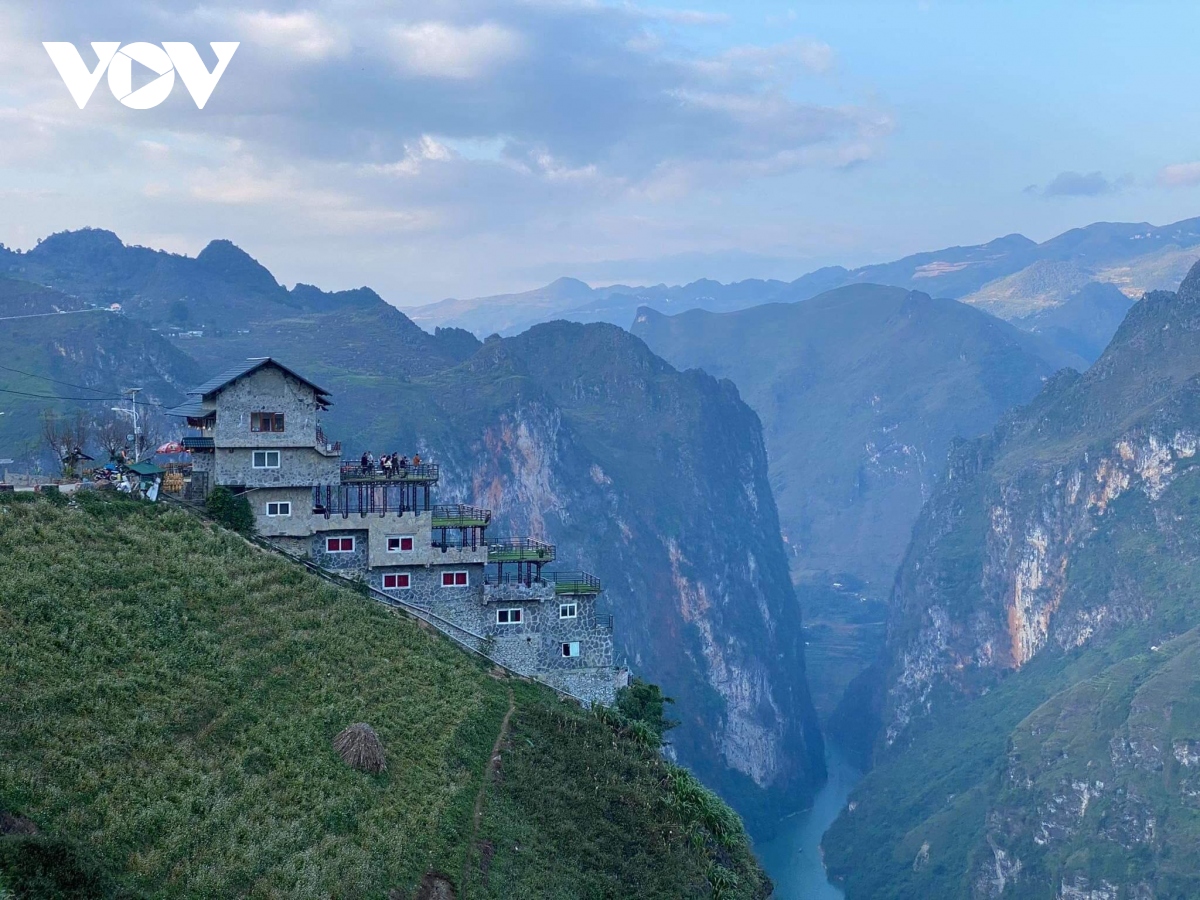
(488, 775)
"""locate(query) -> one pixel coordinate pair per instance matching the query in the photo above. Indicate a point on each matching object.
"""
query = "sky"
(471, 147)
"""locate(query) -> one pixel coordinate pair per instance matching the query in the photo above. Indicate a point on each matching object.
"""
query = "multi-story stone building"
(257, 432)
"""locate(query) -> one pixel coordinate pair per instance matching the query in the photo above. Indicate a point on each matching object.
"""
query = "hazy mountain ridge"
(1037, 704)
(1012, 277)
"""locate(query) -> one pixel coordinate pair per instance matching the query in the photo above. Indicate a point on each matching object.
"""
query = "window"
(339, 545)
(266, 459)
(508, 617)
(396, 582)
(454, 579)
(399, 543)
(567, 610)
(279, 509)
(266, 421)
(571, 650)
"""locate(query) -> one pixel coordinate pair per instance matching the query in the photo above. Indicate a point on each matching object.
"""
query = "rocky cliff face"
(656, 481)
(1040, 679)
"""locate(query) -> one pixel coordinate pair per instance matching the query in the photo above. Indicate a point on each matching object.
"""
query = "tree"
(66, 436)
(230, 509)
(111, 433)
(644, 702)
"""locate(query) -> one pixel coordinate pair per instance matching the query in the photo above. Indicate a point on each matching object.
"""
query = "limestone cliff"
(656, 481)
(1037, 709)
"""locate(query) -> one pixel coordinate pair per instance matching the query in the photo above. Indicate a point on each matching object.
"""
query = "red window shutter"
(402, 581)
(447, 579)
(331, 545)
(406, 543)
(460, 578)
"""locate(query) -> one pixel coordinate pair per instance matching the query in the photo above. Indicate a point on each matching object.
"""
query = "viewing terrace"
(456, 525)
(570, 584)
(355, 473)
(525, 555)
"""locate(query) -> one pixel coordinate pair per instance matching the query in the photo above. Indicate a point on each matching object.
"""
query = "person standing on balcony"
(385, 464)
(366, 462)
(416, 459)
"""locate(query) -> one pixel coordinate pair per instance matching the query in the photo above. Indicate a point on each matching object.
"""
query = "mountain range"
(1012, 277)
(538, 427)
(1034, 719)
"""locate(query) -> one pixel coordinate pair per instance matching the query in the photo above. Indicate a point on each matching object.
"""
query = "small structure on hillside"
(257, 432)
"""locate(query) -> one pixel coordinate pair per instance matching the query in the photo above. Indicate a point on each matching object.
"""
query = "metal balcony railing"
(574, 583)
(520, 550)
(456, 515)
(354, 473)
(366, 498)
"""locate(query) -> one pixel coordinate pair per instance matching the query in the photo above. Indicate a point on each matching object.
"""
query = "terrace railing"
(521, 550)
(456, 515)
(574, 583)
(369, 498)
(354, 473)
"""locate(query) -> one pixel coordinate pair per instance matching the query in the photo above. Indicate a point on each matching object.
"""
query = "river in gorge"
(793, 857)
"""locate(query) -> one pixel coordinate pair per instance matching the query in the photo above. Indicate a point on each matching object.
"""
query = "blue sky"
(464, 147)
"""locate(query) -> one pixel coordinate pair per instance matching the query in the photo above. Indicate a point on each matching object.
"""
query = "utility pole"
(137, 424)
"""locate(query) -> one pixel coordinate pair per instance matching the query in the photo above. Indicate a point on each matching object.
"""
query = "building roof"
(145, 469)
(220, 382)
(193, 409)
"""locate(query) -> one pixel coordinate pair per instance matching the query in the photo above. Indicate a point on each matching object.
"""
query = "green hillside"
(168, 698)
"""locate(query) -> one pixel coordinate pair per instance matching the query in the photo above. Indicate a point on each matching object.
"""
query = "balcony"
(456, 515)
(566, 584)
(364, 498)
(354, 473)
(521, 550)
(581, 584)
(202, 444)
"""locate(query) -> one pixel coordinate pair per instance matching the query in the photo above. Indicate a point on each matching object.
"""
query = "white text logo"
(164, 62)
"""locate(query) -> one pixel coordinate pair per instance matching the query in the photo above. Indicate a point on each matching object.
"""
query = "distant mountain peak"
(1189, 288)
(569, 288)
(229, 261)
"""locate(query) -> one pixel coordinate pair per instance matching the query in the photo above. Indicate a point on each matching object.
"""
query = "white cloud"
(442, 50)
(302, 34)
(1180, 174)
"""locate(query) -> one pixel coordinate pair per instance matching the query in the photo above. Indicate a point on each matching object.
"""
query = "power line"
(82, 387)
(56, 397)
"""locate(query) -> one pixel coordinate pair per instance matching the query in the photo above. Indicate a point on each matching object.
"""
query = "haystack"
(360, 748)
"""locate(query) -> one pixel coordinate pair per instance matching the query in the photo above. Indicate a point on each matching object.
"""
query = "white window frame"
(573, 607)
(351, 538)
(456, 572)
(266, 456)
(570, 649)
(510, 612)
(282, 508)
(397, 576)
(401, 538)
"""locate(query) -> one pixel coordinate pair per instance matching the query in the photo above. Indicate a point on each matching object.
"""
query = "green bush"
(644, 703)
(48, 868)
(231, 510)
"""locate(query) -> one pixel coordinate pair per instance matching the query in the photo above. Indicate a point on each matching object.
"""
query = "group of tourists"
(389, 464)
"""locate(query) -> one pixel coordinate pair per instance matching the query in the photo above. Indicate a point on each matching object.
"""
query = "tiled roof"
(226, 378)
(193, 409)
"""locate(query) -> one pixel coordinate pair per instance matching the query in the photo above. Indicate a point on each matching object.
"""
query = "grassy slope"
(168, 694)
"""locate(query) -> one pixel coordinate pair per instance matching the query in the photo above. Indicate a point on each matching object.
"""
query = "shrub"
(642, 702)
(231, 510)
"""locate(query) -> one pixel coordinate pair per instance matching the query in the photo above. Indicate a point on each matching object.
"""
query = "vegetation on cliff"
(169, 695)
(1039, 722)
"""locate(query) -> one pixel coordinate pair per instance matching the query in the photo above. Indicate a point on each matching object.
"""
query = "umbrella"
(171, 447)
